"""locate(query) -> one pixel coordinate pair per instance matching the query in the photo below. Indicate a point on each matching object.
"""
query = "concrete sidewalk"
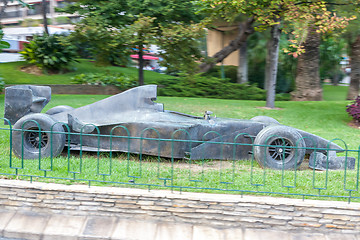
(36, 226)
(30, 225)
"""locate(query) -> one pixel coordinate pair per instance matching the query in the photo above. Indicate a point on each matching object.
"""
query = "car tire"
(28, 148)
(59, 109)
(265, 119)
(275, 154)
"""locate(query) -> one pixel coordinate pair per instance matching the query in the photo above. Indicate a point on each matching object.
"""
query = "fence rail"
(150, 161)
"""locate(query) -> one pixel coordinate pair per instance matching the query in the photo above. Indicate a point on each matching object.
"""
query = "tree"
(242, 72)
(145, 33)
(332, 50)
(181, 47)
(3, 44)
(245, 30)
(308, 84)
(44, 9)
(294, 15)
(352, 36)
(95, 38)
(355, 69)
(130, 16)
(272, 65)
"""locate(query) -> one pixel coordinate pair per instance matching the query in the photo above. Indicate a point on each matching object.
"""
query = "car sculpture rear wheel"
(279, 147)
(27, 143)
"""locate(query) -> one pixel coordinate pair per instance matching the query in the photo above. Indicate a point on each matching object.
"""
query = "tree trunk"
(242, 73)
(308, 84)
(267, 65)
(353, 91)
(336, 79)
(141, 65)
(44, 8)
(245, 29)
(272, 65)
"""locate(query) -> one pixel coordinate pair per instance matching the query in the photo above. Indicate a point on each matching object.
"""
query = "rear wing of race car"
(22, 100)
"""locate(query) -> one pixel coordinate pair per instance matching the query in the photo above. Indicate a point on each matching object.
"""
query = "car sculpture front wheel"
(27, 143)
(279, 147)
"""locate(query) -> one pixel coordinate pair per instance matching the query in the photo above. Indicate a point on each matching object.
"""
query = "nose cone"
(321, 144)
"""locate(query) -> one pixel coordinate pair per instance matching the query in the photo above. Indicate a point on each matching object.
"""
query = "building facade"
(220, 37)
(17, 15)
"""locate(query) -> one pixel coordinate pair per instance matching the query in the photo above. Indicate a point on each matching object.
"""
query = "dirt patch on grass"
(32, 69)
(354, 124)
(267, 108)
(35, 70)
(198, 166)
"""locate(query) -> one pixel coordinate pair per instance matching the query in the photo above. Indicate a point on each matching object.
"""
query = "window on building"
(37, 9)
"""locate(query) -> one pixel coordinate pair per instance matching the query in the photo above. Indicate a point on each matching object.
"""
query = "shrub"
(209, 87)
(3, 44)
(49, 52)
(120, 80)
(94, 39)
(354, 109)
(2, 84)
(229, 72)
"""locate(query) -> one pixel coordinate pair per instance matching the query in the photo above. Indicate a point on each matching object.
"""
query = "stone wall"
(247, 215)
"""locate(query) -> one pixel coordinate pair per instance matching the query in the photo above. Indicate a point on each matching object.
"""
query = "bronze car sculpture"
(132, 122)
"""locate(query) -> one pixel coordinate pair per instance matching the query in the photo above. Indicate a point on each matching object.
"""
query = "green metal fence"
(134, 167)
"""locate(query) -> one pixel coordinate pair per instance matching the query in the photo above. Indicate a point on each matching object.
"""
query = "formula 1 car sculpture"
(135, 115)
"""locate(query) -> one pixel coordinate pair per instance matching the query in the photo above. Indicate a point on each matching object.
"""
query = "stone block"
(64, 227)
(207, 233)
(98, 227)
(181, 210)
(343, 217)
(26, 225)
(5, 218)
(261, 234)
(233, 234)
(173, 231)
(92, 203)
(282, 217)
(134, 230)
(45, 196)
(285, 208)
(341, 212)
(305, 224)
(335, 236)
(153, 208)
(145, 203)
(107, 200)
(307, 236)
(274, 222)
(250, 219)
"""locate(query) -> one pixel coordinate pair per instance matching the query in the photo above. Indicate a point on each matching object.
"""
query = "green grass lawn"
(334, 93)
(12, 75)
(327, 119)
